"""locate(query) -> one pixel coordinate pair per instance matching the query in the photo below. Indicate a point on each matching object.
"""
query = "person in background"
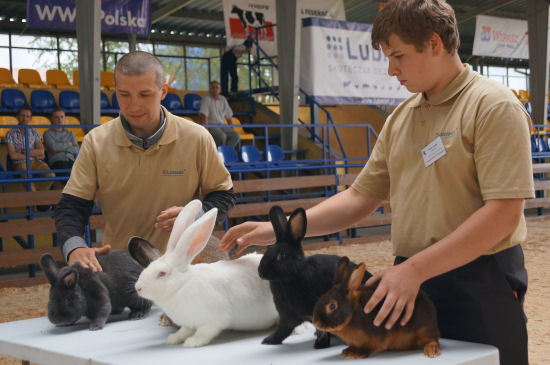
(15, 139)
(215, 110)
(61, 145)
(454, 161)
(228, 66)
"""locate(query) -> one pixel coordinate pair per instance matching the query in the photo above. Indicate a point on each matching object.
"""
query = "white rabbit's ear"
(194, 239)
(184, 219)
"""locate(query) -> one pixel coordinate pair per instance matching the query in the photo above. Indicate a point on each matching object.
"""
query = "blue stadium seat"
(42, 102)
(276, 156)
(541, 145)
(105, 106)
(12, 100)
(192, 102)
(69, 100)
(529, 108)
(115, 102)
(173, 103)
(252, 155)
(228, 154)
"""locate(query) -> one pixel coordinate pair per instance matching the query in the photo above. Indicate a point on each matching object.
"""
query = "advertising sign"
(501, 37)
(339, 65)
(117, 16)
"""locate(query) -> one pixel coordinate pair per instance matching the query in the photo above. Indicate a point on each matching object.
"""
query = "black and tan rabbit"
(340, 312)
(76, 291)
(296, 281)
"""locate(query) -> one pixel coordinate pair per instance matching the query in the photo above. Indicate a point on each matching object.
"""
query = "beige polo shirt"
(485, 131)
(134, 185)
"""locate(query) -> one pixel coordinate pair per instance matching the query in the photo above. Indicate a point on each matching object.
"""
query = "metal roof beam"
(488, 7)
(168, 9)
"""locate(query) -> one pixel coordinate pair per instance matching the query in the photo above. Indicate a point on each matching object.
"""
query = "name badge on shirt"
(433, 151)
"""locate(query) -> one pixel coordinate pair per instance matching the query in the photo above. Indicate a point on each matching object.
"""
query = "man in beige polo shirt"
(142, 167)
(454, 161)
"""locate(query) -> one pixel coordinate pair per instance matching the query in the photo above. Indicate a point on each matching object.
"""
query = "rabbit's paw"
(431, 349)
(322, 341)
(138, 314)
(271, 340)
(95, 326)
(202, 337)
(179, 336)
(303, 328)
(356, 353)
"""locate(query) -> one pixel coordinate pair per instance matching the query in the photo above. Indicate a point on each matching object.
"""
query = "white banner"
(339, 65)
(501, 37)
(242, 16)
(329, 9)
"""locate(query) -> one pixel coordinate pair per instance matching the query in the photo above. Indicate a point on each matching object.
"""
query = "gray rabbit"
(76, 291)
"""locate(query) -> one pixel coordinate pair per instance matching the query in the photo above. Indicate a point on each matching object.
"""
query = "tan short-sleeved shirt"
(134, 185)
(485, 131)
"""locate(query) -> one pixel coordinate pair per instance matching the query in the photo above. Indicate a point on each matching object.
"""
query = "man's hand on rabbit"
(165, 220)
(248, 234)
(87, 257)
(398, 287)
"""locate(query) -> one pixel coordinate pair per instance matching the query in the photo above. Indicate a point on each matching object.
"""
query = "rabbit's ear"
(278, 221)
(194, 239)
(342, 271)
(49, 266)
(70, 278)
(297, 224)
(356, 277)
(142, 251)
(184, 219)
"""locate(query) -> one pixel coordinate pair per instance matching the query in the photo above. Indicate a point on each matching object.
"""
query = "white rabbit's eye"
(161, 274)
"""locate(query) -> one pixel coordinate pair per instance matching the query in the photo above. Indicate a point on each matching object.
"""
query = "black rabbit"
(296, 281)
(340, 311)
(76, 291)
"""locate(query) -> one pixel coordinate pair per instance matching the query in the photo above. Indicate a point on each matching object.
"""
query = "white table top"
(143, 342)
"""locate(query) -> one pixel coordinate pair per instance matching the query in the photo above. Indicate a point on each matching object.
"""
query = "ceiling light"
(173, 32)
(191, 34)
(2, 17)
(12, 19)
(23, 20)
(153, 30)
(182, 33)
(208, 35)
(163, 31)
(218, 35)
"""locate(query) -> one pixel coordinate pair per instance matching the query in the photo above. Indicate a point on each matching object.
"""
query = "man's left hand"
(165, 220)
(399, 285)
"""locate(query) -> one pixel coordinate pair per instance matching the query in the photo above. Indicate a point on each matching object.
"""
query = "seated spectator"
(215, 110)
(61, 145)
(15, 139)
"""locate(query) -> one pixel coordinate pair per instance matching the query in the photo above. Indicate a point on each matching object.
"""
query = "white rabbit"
(203, 299)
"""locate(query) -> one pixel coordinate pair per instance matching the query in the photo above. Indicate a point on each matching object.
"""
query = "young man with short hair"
(454, 161)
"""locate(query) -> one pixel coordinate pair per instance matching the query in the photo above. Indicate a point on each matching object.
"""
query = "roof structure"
(201, 21)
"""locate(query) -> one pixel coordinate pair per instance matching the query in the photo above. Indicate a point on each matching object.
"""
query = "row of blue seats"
(539, 145)
(530, 109)
(43, 102)
(251, 158)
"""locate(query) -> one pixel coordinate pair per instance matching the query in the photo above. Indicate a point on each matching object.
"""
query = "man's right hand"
(87, 257)
(248, 234)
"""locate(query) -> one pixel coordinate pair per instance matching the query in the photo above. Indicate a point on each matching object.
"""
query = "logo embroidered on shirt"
(445, 134)
(173, 172)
